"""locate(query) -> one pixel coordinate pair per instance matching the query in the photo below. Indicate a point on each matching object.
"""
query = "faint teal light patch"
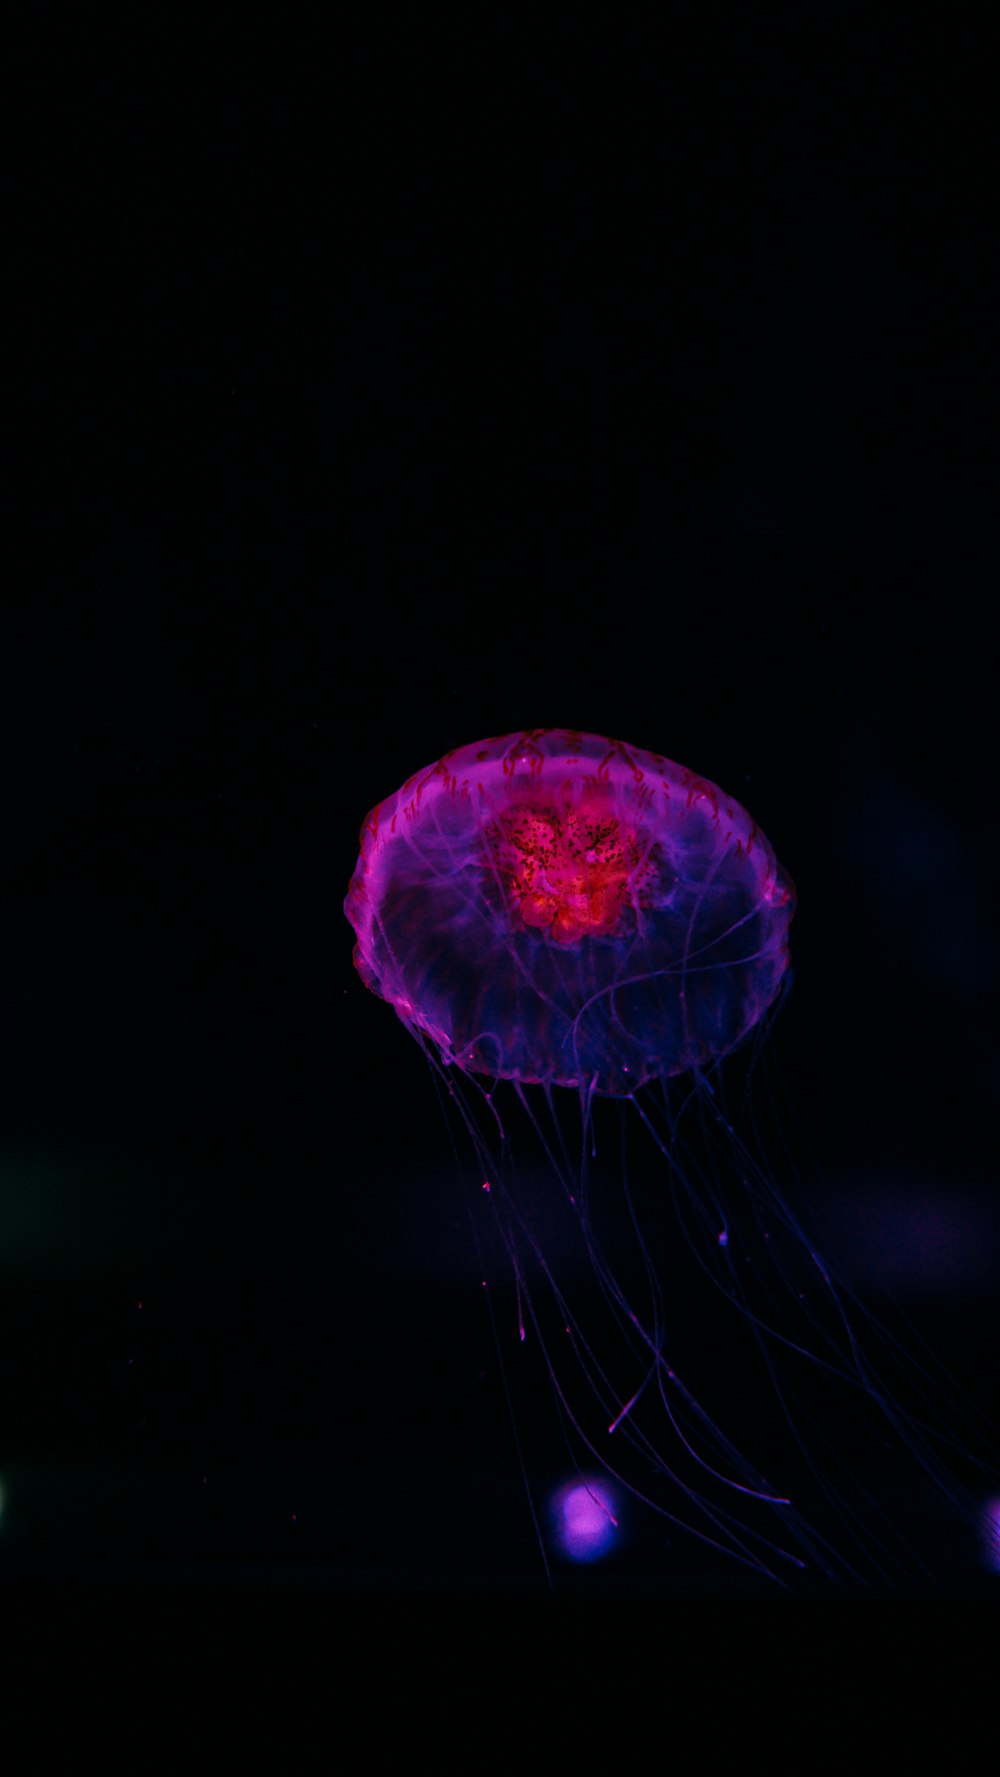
(586, 1519)
(62, 1212)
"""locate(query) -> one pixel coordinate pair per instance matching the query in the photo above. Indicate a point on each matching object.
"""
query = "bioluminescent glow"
(585, 1519)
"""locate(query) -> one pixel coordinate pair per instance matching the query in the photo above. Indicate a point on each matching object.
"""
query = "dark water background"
(352, 423)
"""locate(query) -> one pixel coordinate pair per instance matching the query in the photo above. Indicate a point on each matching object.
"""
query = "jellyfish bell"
(554, 908)
(577, 932)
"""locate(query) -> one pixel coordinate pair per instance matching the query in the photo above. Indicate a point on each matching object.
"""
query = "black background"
(360, 411)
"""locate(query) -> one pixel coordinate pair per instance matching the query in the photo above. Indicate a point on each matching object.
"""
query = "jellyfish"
(578, 933)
